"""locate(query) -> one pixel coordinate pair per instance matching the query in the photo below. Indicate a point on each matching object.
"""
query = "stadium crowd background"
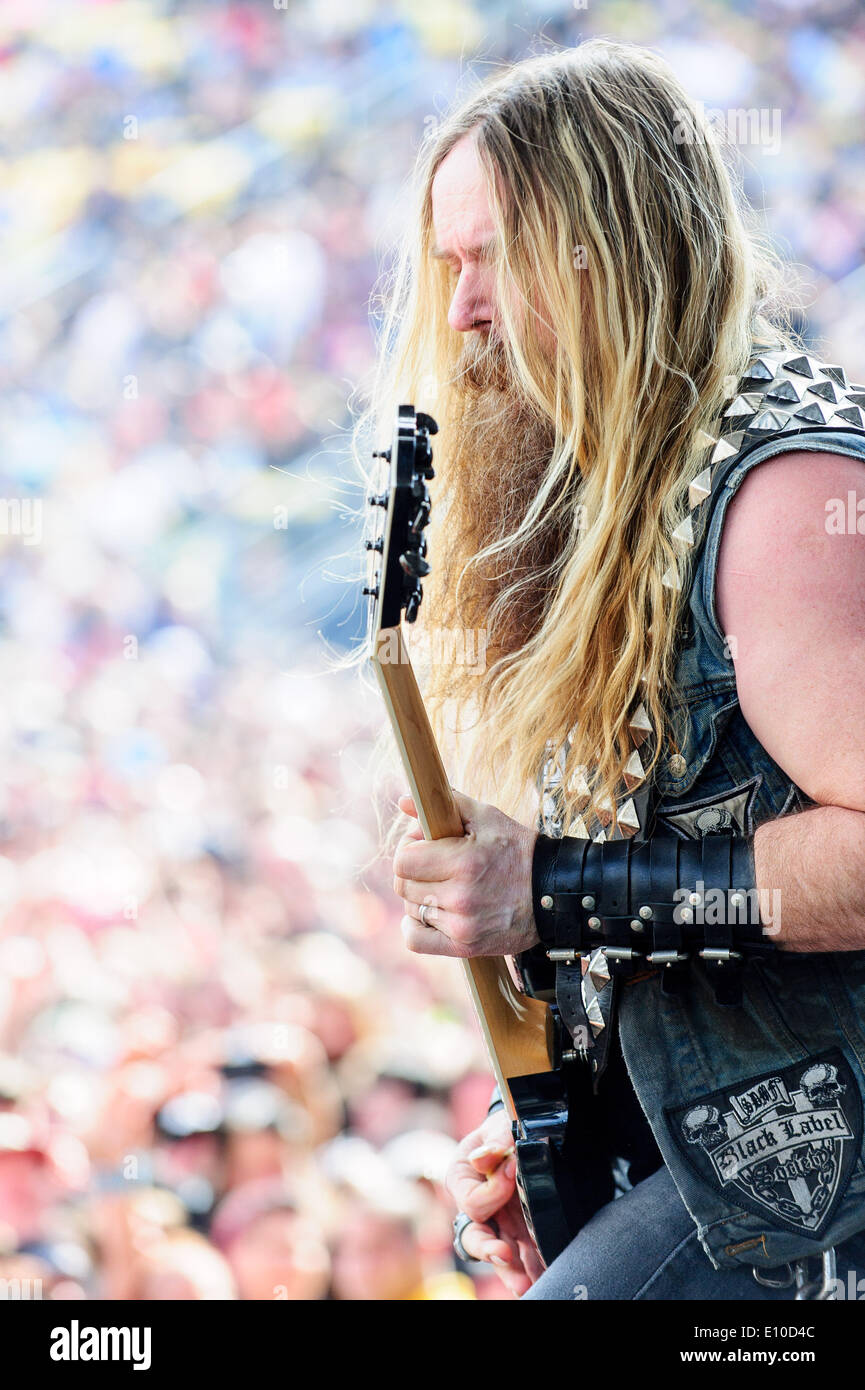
(220, 1074)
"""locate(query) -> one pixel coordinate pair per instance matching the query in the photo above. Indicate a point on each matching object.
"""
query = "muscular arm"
(791, 600)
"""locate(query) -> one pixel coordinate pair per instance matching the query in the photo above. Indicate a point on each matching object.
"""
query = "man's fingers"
(490, 1195)
(486, 1158)
(515, 1279)
(482, 1242)
(415, 895)
(426, 941)
(410, 836)
(504, 1255)
(481, 1197)
(427, 861)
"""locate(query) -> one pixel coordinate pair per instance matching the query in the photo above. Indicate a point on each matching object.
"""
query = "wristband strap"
(544, 859)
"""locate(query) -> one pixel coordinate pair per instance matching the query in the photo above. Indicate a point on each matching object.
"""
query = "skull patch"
(782, 1145)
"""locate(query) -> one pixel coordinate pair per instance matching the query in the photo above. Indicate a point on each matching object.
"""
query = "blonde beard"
(500, 452)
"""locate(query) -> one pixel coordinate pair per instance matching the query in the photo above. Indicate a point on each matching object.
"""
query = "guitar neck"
(516, 1028)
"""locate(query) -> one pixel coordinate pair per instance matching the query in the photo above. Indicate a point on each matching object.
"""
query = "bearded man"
(670, 714)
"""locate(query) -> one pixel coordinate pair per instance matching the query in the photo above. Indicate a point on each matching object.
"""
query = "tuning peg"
(381, 454)
(423, 462)
(377, 544)
(377, 501)
(426, 422)
(371, 592)
(421, 516)
(413, 563)
(413, 604)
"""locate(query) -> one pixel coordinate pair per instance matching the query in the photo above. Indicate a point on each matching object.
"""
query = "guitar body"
(563, 1167)
(558, 1174)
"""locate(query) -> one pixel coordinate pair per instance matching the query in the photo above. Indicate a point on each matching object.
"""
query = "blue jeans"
(644, 1245)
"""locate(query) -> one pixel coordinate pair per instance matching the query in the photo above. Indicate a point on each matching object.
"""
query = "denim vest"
(757, 1109)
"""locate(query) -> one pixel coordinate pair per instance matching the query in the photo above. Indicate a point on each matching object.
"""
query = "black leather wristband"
(655, 902)
(557, 865)
(546, 853)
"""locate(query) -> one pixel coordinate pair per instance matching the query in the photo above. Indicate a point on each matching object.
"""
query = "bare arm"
(791, 595)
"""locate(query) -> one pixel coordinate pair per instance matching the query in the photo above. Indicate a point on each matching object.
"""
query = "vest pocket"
(700, 724)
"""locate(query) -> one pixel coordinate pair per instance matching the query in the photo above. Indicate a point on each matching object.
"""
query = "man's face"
(465, 237)
(500, 442)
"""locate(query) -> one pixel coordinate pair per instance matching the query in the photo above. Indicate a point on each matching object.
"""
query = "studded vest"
(757, 1110)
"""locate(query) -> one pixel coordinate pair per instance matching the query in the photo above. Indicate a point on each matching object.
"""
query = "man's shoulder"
(786, 526)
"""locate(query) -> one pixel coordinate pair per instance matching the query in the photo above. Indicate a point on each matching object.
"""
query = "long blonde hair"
(610, 191)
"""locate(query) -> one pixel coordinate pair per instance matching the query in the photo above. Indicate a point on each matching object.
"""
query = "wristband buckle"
(565, 955)
(667, 957)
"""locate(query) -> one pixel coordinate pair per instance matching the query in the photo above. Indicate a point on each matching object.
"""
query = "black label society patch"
(782, 1145)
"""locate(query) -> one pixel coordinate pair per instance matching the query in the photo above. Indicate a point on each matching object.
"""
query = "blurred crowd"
(221, 1076)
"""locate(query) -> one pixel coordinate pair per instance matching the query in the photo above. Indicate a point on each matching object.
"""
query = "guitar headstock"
(397, 546)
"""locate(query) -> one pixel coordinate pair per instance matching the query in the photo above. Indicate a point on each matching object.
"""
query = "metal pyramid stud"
(595, 1017)
(578, 829)
(837, 374)
(700, 488)
(634, 772)
(628, 820)
(785, 390)
(815, 412)
(600, 838)
(851, 414)
(763, 369)
(705, 440)
(802, 366)
(671, 579)
(844, 418)
(726, 448)
(604, 811)
(640, 726)
(856, 395)
(684, 532)
(599, 971)
(827, 390)
(769, 420)
(578, 787)
(744, 405)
